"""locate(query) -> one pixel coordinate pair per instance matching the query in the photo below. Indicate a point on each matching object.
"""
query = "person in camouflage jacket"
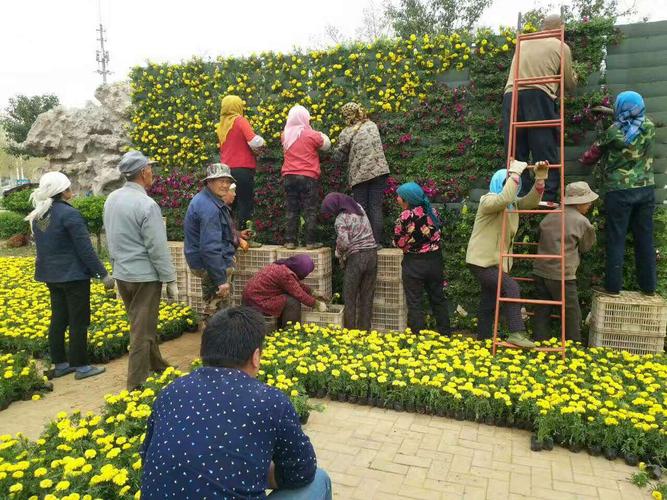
(360, 144)
(625, 151)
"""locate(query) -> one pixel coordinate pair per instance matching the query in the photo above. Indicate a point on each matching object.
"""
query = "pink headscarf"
(298, 119)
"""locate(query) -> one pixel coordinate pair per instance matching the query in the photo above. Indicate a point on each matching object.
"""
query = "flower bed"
(96, 455)
(19, 378)
(25, 315)
(607, 401)
(595, 397)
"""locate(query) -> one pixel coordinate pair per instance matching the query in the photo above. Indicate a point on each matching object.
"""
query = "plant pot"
(575, 447)
(352, 399)
(460, 415)
(489, 420)
(631, 459)
(440, 412)
(610, 453)
(342, 397)
(304, 418)
(535, 444)
(363, 400)
(398, 406)
(595, 450)
(654, 472)
(548, 443)
(320, 393)
(48, 386)
(410, 407)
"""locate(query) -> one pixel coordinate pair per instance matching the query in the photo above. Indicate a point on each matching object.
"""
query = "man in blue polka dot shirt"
(220, 433)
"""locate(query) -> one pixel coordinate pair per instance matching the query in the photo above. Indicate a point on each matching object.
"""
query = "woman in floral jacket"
(417, 233)
(277, 289)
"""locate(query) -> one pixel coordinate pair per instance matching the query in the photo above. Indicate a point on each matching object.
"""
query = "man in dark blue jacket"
(211, 238)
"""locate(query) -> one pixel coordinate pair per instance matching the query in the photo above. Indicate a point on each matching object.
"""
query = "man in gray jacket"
(137, 241)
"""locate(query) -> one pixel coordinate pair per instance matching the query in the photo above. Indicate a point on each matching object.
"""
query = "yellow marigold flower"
(45, 483)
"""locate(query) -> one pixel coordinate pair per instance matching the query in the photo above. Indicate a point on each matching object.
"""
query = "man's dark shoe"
(603, 291)
(290, 246)
(648, 294)
(314, 246)
(57, 373)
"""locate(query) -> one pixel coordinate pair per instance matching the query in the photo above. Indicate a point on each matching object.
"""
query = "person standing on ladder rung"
(483, 251)
(539, 58)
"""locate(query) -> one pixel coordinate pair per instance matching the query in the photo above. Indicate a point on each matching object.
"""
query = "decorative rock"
(86, 143)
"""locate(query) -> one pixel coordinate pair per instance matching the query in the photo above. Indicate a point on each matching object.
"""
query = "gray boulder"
(86, 143)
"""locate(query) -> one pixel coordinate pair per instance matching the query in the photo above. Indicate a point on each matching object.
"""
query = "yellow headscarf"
(230, 109)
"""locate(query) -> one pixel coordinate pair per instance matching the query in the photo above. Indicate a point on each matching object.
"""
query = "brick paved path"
(381, 454)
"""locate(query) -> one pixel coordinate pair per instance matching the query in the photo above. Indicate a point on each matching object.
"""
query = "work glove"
(320, 306)
(172, 290)
(108, 282)
(541, 170)
(517, 167)
(223, 290)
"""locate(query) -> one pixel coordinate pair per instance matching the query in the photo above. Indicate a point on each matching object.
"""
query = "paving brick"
(579, 489)
(342, 492)
(364, 457)
(412, 460)
(562, 472)
(519, 483)
(447, 488)
(510, 467)
(497, 488)
(474, 493)
(415, 477)
(498, 475)
(466, 479)
(482, 458)
(549, 494)
(340, 478)
(455, 449)
(387, 466)
(474, 445)
(425, 429)
(609, 494)
(461, 464)
(418, 493)
(366, 489)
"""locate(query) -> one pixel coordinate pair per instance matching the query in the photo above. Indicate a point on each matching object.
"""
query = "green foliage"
(92, 209)
(18, 201)
(420, 17)
(20, 115)
(12, 223)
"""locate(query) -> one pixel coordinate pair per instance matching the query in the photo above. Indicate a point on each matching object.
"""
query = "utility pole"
(102, 55)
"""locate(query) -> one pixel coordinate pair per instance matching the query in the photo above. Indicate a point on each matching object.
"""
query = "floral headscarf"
(353, 113)
(231, 108)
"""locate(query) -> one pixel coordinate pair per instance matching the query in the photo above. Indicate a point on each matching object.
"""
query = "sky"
(49, 46)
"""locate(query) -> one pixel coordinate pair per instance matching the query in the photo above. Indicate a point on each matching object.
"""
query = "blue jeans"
(319, 489)
(630, 209)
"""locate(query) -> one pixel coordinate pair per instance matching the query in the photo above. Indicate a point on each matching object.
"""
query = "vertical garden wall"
(436, 100)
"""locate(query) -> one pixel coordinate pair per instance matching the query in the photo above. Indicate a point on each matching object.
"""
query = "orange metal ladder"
(511, 150)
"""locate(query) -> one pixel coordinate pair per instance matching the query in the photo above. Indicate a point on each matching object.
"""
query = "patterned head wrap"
(353, 113)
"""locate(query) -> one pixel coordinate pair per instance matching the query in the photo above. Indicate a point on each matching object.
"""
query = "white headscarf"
(50, 185)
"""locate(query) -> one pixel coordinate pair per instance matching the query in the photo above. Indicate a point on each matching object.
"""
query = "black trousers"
(291, 312)
(70, 307)
(538, 144)
(423, 272)
(548, 289)
(361, 270)
(630, 209)
(370, 195)
(488, 280)
(303, 200)
(245, 195)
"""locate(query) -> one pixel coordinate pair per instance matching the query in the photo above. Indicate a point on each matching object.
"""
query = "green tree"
(19, 117)
(421, 17)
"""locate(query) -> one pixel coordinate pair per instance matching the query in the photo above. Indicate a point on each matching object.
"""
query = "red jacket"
(269, 288)
(235, 151)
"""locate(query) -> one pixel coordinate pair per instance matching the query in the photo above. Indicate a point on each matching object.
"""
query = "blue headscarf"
(629, 114)
(414, 195)
(498, 183)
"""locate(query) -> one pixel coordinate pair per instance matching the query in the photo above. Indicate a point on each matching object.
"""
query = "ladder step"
(527, 243)
(544, 349)
(531, 256)
(538, 302)
(534, 211)
(534, 80)
(527, 280)
(540, 34)
(538, 124)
